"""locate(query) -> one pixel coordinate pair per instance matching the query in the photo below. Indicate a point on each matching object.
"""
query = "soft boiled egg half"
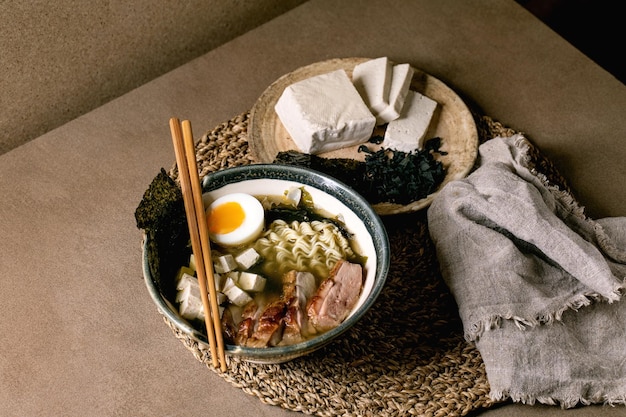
(235, 219)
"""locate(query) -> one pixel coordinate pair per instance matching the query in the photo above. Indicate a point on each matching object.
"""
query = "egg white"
(252, 225)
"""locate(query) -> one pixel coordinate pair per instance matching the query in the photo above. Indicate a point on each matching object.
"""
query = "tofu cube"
(219, 281)
(372, 80)
(237, 296)
(183, 294)
(187, 280)
(224, 264)
(182, 271)
(251, 282)
(401, 78)
(191, 308)
(406, 133)
(233, 276)
(324, 113)
(228, 283)
(247, 258)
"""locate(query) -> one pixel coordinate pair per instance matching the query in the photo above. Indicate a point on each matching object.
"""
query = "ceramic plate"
(452, 122)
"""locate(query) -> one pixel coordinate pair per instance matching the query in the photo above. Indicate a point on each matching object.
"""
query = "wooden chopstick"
(204, 237)
(188, 174)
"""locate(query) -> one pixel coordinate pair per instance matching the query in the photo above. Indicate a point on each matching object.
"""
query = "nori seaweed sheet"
(161, 214)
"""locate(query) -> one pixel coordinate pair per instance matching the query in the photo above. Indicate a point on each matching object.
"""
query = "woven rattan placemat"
(407, 356)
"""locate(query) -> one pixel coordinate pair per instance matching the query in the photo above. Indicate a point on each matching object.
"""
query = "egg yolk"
(225, 218)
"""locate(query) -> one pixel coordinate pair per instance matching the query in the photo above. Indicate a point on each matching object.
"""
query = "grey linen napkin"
(538, 284)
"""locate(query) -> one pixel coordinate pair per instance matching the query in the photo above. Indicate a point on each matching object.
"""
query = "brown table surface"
(80, 335)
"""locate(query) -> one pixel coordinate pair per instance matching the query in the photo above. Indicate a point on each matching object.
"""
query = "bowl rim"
(308, 177)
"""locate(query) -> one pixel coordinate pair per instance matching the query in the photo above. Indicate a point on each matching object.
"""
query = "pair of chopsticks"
(184, 148)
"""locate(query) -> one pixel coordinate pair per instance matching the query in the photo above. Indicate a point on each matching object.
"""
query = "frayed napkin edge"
(613, 400)
(494, 322)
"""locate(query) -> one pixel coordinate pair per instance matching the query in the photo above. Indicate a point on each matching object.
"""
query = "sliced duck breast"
(336, 296)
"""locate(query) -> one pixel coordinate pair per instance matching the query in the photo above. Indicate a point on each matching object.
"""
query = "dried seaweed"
(401, 177)
(346, 170)
(385, 175)
(161, 214)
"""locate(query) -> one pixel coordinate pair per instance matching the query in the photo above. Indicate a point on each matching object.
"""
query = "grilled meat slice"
(244, 331)
(336, 296)
(249, 315)
(298, 287)
(269, 329)
(229, 328)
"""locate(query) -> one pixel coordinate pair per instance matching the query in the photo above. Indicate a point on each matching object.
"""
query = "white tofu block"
(224, 264)
(247, 258)
(400, 83)
(406, 133)
(237, 296)
(190, 301)
(325, 113)
(187, 280)
(251, 282)
(182, 271)
(232, 276)
(372, 80)
(191, 308)
(182, 294)
(228, 283)
(219, 281)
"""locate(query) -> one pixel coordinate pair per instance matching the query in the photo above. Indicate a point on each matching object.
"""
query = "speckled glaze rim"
(308, 177)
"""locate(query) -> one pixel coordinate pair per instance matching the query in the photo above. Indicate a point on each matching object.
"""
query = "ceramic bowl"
(330, 195)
